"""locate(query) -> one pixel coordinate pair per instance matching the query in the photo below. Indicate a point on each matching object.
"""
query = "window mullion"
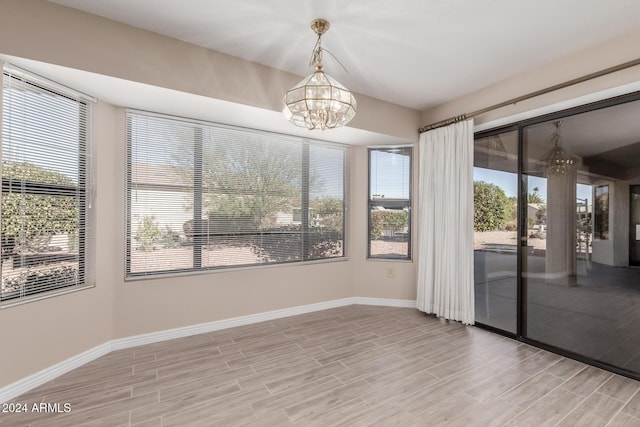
(305, 201)
(198, 232)
(253, 198)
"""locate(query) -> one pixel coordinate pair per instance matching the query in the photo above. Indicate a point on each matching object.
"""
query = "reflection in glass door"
(557, 232)
(578, 293)
(495, 190)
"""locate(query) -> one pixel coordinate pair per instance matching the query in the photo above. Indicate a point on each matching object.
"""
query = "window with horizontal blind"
(390, 203)
(44, 205)
(204, 196)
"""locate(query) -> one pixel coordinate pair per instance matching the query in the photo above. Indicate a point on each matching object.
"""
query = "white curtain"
(445, 223)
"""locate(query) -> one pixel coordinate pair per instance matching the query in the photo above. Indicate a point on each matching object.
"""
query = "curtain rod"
(553, 88)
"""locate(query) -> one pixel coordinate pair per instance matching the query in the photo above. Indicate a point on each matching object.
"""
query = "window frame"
(391, 203)
(198, 191)
(80, 193)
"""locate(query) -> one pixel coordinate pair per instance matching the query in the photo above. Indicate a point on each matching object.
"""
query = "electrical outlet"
(391, 272)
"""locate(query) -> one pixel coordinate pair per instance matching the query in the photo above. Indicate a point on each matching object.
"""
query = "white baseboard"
(217, 325)
(386, 302)
(32, 381)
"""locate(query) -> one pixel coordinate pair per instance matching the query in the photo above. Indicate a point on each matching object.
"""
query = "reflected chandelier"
(558, 162)
(319, 101)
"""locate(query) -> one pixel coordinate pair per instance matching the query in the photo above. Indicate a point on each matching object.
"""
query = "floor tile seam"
(393, 405)
(436, 384)
(530, 356)
(342, 347)
(585, 399)
(283, 392)
(446, 361)
(209, 415)
(359, 413)
(418, 415)
(224, 383)
(609, 376)
(263, 360)
(342, 404)
(303, 372)
(171, 365)
(478, 400)
(202, 369)
(340, 381)
(280, 366)
(184, 383)
(459, 371)
(360, 362)
(558, 376)
(413, 331)
(542, 397)
(416, 391)
(404, 365)
(394, 342)
(484, 380)
(173, 371)
(620, 410)
(246, 352)
(518, 384)
(611, 397)
(194, 406)
(87, 410)
(560, 359)
(43, 397)
(637, 393)
(321, 394)
(539, 371)
(637, 419)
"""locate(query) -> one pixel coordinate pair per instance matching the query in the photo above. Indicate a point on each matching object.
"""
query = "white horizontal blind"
(390, 203)
(204, 196)
(45, 227)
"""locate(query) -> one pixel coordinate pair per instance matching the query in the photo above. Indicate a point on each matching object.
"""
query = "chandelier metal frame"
(319, 101)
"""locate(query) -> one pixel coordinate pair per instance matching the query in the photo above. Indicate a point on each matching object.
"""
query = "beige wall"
(49, 331)
(608, 54)
(47, 32)
(151, 305)
(370, 276)
(42, 333)
(46, 332)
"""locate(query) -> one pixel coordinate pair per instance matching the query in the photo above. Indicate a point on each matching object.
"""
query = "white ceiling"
(416, 53)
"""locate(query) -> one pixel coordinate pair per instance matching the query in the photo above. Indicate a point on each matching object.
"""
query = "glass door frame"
(494, 132)
(632, 230)
(521, 303)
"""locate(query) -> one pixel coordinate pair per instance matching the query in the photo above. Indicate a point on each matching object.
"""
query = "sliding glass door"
(495, 240)
(573, 286)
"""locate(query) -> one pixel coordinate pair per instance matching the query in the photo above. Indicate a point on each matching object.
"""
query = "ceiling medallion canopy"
(558, 162)
(319, 101)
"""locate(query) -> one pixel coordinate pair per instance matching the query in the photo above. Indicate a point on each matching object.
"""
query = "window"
(390, 203)
(45, 208)
(203, 196)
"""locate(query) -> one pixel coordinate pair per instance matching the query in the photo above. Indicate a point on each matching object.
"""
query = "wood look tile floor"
(350, 366)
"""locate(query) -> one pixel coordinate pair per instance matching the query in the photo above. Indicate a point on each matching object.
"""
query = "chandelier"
(319, 101)
(558, 162)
